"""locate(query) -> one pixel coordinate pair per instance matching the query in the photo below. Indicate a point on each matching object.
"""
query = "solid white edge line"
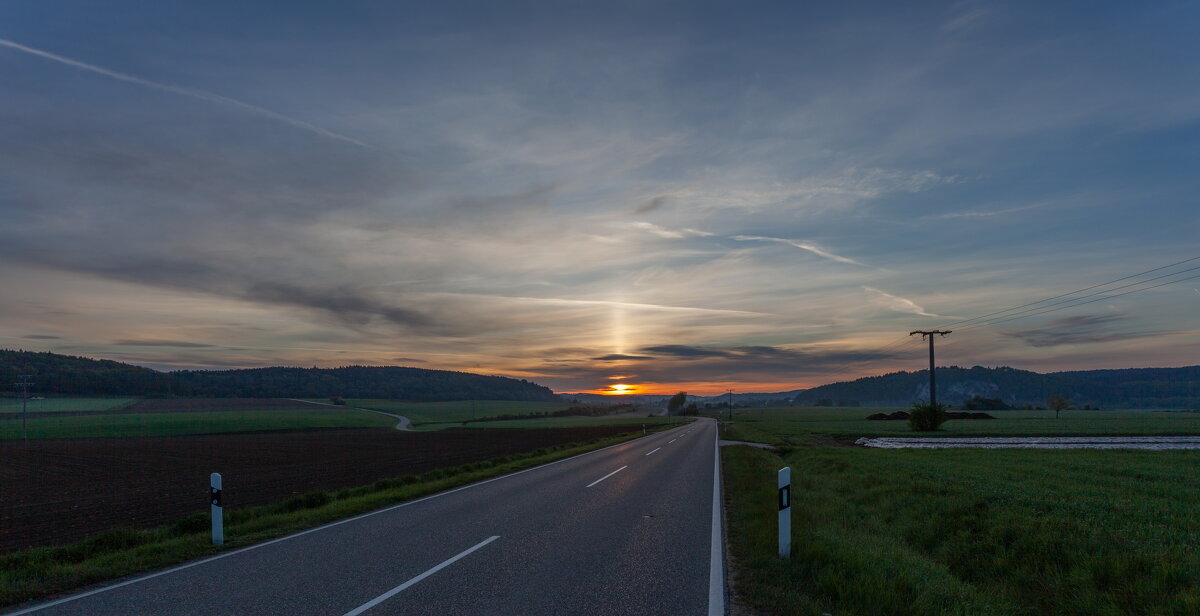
(607, 476)
(716, 558)
(264, 544)
(391, 593)
(653, 450)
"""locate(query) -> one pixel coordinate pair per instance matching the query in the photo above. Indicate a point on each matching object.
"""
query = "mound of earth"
(883, 416)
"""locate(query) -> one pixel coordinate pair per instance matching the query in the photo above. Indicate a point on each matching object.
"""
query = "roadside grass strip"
(961, 531)
(40, 572)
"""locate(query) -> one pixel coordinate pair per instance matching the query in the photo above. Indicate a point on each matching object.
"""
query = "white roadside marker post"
(218, 521)
(785, 512)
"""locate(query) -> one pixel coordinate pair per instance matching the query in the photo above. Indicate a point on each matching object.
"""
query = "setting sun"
(619, 389)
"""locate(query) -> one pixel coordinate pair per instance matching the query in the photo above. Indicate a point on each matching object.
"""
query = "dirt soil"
(61, 490)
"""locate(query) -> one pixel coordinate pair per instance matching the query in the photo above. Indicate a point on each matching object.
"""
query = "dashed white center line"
(606, 476)
(672, 441)
(655, 449)
(391, 593)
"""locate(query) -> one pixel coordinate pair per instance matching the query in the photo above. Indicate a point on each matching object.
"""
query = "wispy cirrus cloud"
(1081, 329)
(163, 343)
(902, 304)
(670, 233)
(985, 213)
(809, 246)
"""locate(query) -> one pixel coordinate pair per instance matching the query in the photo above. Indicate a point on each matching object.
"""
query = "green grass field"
(780, 425)
(173, 424)
(576, 422)
(441, 415)
(969, 531)
(965, 531)
(61, 405)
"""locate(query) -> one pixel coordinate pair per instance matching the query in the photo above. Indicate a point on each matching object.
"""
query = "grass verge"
(38, 573)
(968, 532)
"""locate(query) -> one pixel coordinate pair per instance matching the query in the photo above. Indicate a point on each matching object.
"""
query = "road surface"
(630, 529)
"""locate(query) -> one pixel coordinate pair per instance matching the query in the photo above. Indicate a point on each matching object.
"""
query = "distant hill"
(1125, 388)
(65, 374)
(415, 384)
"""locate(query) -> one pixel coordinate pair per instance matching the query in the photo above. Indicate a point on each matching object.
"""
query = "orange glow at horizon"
(693, 388)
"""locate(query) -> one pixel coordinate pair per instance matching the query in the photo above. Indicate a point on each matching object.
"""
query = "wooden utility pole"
(25, 383)
(932, 376)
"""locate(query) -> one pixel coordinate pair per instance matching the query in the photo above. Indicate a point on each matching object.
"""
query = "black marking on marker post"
(214, 495)
(785, 497)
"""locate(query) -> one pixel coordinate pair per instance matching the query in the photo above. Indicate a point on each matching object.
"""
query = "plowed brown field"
(61, 490)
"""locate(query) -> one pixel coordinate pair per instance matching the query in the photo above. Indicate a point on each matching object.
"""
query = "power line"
(1040, 310)
(1098, 299)
(1095, 286)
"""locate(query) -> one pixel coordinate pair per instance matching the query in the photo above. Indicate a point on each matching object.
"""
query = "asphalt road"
(631, 529)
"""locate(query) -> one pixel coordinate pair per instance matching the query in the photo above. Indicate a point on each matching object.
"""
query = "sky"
(651, 196)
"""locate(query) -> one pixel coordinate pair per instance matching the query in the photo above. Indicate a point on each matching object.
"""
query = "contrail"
(182, 91)
(813, 248)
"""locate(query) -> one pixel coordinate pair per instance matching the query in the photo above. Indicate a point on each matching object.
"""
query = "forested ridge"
(69, 375)
(1121, 388)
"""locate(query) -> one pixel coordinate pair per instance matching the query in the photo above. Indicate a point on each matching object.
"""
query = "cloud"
(1084, 329)
(984, 213)
(809, 246)
(621, 357)
(670, 233)
(41, 337)
(789, 367)
(596, 302)
(652, 204)
(966, 15)
(163, 343)
(682, 351)
(409, 360)
(900, 304)
(182, 91)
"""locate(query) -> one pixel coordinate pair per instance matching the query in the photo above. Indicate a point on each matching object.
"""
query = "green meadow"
(63, 405)
(790, 424)
(445, 415)
(174, 424)
(441, 415)
(965, 531)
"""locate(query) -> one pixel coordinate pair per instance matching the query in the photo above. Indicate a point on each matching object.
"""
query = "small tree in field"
(926, 417)
(1057, 403)
(676, 402)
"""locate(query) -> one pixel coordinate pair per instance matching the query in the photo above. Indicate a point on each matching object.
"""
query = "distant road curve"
(402, 425)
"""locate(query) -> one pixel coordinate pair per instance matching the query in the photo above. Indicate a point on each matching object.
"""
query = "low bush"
(927, 417)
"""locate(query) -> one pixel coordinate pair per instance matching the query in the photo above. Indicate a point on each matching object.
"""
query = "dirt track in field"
(61, 490)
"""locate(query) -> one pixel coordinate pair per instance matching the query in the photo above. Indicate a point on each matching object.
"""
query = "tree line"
(69, 375)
